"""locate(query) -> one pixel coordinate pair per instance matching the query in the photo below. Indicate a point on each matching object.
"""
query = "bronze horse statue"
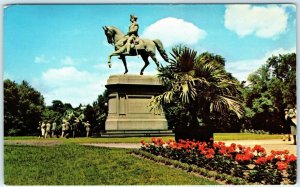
(143, 47)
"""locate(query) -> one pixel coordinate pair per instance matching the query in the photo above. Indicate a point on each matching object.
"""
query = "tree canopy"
(23, 106)
(271, 89)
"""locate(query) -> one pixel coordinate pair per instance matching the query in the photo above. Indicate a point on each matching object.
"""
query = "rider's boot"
(127, 50)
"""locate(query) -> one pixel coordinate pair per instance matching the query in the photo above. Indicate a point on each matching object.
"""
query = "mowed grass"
(217, 137)
(72, 164)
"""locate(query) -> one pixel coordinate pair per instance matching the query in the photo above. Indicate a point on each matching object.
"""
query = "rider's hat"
(133, 17)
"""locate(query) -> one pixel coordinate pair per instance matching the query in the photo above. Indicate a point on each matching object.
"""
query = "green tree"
(271, 89)
(23, 106)
(282, 69)
(200, 87)
(100, 111)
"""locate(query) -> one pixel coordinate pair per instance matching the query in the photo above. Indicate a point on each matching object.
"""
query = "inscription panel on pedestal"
(138, 105)
(112, 103)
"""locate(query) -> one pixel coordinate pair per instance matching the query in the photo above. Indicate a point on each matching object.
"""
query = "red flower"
(233, 145)
(284, 152)
(222, 151)
(231, 149)
(270, 158)
(142, 142)
(216, 145)
(243, 157)
(281, 165)
(209, 156)
(290, 158)
(229, 155)
(258, 149)
(211, 151)
(278, 157)
(203, 152)
(240, 147)
(261, 160)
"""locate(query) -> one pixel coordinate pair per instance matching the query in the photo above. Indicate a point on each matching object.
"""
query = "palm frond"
(223, 104)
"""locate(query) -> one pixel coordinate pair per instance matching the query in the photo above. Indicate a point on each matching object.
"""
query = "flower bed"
(251, 164)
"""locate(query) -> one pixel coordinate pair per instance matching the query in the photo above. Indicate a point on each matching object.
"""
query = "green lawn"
(217, 137)
(72, 164)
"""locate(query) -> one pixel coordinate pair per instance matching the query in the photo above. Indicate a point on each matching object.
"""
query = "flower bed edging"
(228, 179)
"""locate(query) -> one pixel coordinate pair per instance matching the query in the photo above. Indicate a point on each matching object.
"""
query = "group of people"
(51, 130)
(290, 128)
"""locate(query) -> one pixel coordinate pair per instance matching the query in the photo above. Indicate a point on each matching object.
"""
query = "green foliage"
(198, 90)
(100, 111)
(23, 106)
(271, 89)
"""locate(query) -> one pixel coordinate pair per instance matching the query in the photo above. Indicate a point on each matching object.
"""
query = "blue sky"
(62, 52)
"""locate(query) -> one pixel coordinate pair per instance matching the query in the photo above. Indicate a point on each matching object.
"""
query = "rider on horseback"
(131, 35)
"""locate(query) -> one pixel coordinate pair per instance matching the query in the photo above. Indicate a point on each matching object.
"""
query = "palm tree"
(199, 85)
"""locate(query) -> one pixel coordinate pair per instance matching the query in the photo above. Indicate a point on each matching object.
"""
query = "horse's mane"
(117, 30)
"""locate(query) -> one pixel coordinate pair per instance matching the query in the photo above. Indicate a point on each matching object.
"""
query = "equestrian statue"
(131, 45)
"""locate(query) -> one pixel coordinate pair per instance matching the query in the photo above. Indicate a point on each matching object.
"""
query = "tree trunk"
(194, 133)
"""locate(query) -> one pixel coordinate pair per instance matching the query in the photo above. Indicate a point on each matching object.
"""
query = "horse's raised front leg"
(116, 53)
(122, 57)
(145, 59)
(109, 58)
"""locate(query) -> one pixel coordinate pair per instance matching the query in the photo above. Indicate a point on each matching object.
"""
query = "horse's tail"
(161, 50)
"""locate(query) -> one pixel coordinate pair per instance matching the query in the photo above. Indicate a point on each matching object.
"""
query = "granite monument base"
(128, 106)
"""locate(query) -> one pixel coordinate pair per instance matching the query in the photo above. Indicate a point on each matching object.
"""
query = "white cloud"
(264, 22)
(41, 59)
(241, 69)
(172, 31)
(67, 61)
(70, 85)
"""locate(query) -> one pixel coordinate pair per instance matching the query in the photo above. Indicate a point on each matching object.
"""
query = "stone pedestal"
(128, 111)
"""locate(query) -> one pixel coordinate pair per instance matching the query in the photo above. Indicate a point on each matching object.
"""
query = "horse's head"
(109, 34)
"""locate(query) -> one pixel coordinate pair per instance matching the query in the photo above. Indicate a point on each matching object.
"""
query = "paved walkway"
(276, 144)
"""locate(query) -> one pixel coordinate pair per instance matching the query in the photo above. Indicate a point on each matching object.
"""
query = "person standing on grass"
(48, 129)
(40, 129)
(286, 129)
(65, 128)
(87, 126)
(291, 120)
(74, 126)
(53, 129)
(43, 129)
